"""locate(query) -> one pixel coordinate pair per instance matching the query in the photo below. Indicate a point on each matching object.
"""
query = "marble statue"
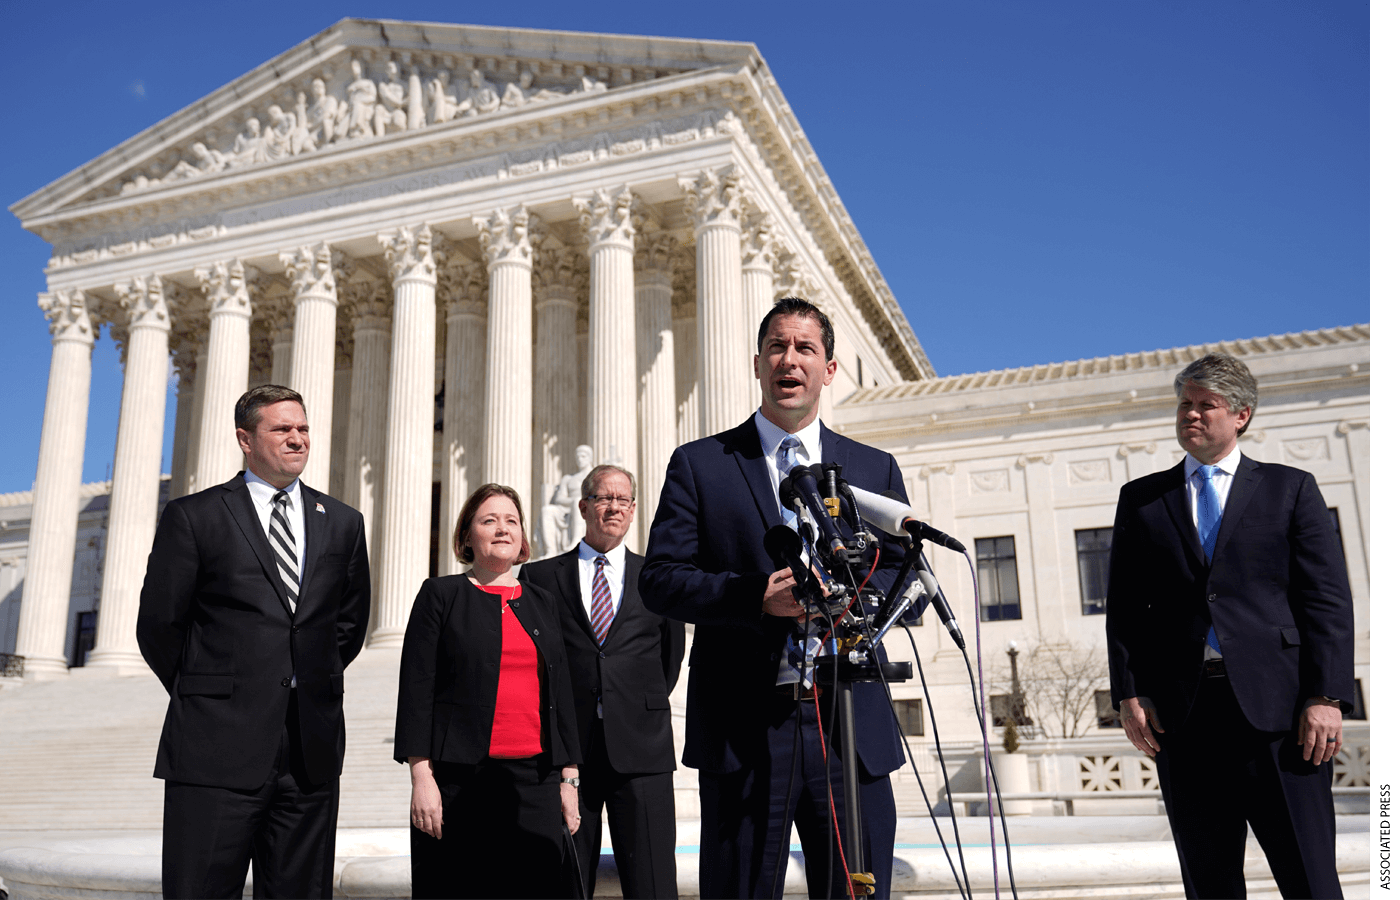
(561, 523)
(442, 103)
(357, 115)
(484, 97)
(206, 162)
(391, 114)
(248, 146)
(320, 118)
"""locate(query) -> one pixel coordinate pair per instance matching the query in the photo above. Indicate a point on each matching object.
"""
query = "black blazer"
(1276, 590)
(706, 564)
(451, 667)
(635, 669)
(217, 629)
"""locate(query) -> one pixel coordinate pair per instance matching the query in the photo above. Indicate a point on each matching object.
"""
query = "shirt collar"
(616, 556)
(770, 436)
(1228, 465)
(263, 492)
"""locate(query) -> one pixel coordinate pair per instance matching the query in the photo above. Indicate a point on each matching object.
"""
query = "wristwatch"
(573, 781)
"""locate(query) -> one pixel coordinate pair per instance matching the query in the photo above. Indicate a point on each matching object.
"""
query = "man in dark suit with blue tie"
(624, 660)
(1230, 645)
(256, 599)
(751, 716)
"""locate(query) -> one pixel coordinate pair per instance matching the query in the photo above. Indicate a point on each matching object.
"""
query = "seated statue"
(561, 523)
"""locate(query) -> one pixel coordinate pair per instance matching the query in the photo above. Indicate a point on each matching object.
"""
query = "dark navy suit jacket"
(1275, 589)
(706, 564)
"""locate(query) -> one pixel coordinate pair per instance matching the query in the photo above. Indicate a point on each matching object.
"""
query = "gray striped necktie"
(284, 545)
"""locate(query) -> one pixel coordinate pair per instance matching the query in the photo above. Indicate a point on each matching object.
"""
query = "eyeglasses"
(614, 502)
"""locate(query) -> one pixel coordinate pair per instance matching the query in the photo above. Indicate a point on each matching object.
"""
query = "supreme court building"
(470, 249)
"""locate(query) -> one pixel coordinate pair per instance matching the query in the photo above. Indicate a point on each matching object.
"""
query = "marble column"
(226, 372)
(713, 199)
(606, 218)
(756, 253)
(464, 401)
(506, 245)
(656, 364)
(408, 450)
(312, 274)
(560, 277)
(687, 357)
(201, 383)
(1044, 538)
(281, 320)
(367, 299)
(182, 345)
(53, 523)
(131, 520)
(344, 383)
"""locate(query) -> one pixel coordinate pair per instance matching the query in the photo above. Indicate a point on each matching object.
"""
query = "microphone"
(800, 487)
(938, 601)
(785, 549)
(892, 515)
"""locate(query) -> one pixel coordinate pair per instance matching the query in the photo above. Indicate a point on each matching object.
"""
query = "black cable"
(996, 785)
(943, 767)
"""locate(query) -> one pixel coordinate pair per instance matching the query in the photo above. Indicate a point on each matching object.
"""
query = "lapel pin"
(320, 509)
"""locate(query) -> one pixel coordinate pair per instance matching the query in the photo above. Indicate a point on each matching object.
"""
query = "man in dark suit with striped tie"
(623, 660)
(256, 599)
(1230, 644)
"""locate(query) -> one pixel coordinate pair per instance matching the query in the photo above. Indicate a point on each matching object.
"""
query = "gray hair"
(590, 481)
(1223, 374)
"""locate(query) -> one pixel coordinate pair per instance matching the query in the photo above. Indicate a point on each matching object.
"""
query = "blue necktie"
(1208, 526)
(787, 458)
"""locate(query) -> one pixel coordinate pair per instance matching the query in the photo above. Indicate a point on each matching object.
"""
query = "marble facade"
(470, 249)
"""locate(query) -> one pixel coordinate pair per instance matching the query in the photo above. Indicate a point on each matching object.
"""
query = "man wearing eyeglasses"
(624, 661)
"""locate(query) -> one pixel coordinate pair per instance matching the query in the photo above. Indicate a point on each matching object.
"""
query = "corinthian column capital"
(67, 312)
(607, 216)
(506, 236)
(226, 287)
(657, 254)
(756, 240)
(368, 298)
(560, 271)
(413, 253)
(462, 283)
(143, 299)
(311, 270)
(714, 197)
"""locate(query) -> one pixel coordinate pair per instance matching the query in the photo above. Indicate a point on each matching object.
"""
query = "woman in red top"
(486, 720)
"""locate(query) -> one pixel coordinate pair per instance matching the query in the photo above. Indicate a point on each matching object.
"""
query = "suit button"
(774, 657)
(516, 604)
(286, 682)
(602, 655)
(1211, 598)
(296, 630)
(537, 631)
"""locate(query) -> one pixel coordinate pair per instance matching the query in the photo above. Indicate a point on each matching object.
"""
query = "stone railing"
(11, 665)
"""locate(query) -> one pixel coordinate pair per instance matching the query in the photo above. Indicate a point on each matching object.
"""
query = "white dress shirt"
(262, 494)
(1222, 480)
(613, 572)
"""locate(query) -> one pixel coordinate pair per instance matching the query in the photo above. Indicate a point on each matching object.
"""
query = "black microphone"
(785, 549)
(938, 601)
(800, 487)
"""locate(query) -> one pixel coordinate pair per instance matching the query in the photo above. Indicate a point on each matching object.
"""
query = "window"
(996, 572)
(910, 714)
(1092, 545)
(1000, 706)
(1103, 707)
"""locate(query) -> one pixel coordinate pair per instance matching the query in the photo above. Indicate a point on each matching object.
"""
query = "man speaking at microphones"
(751, 716)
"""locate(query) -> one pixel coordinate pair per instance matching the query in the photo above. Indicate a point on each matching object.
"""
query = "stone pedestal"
(312, 374)
(53, 524)
(131, 522)
(408, 451)
(509, 254)
(714, 199)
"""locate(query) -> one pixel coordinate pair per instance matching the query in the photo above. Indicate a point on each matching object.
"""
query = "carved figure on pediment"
(417, 117)
(524, 91)
(356, 117)
(248, 146)
(484, 97)
(561, 523)
(588, 85)
(321, 116)
(206, 162)
(278, 140)
(391, 113)
(442, 99)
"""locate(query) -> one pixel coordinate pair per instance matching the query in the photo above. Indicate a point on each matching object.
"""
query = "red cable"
(821, 733)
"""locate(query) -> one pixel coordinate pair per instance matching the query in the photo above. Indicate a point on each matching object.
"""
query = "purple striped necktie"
(601, 616)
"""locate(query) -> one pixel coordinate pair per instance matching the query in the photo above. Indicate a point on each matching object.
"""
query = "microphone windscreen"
(885, 513)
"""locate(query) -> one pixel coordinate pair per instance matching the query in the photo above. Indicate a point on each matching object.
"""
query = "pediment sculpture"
(364, 108)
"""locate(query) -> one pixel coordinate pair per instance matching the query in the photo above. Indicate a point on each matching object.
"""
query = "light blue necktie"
(787, 458)
(1208, 526)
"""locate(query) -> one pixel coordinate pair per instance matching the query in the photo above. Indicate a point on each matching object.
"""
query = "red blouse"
(515, 730)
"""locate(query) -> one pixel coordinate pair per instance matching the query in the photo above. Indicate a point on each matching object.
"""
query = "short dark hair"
(796, 306)
(1223, 374)
(247, 412)
(460, 543)
(590, 481)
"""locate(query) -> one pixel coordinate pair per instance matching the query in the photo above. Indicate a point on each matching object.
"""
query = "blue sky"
(1038, 181)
